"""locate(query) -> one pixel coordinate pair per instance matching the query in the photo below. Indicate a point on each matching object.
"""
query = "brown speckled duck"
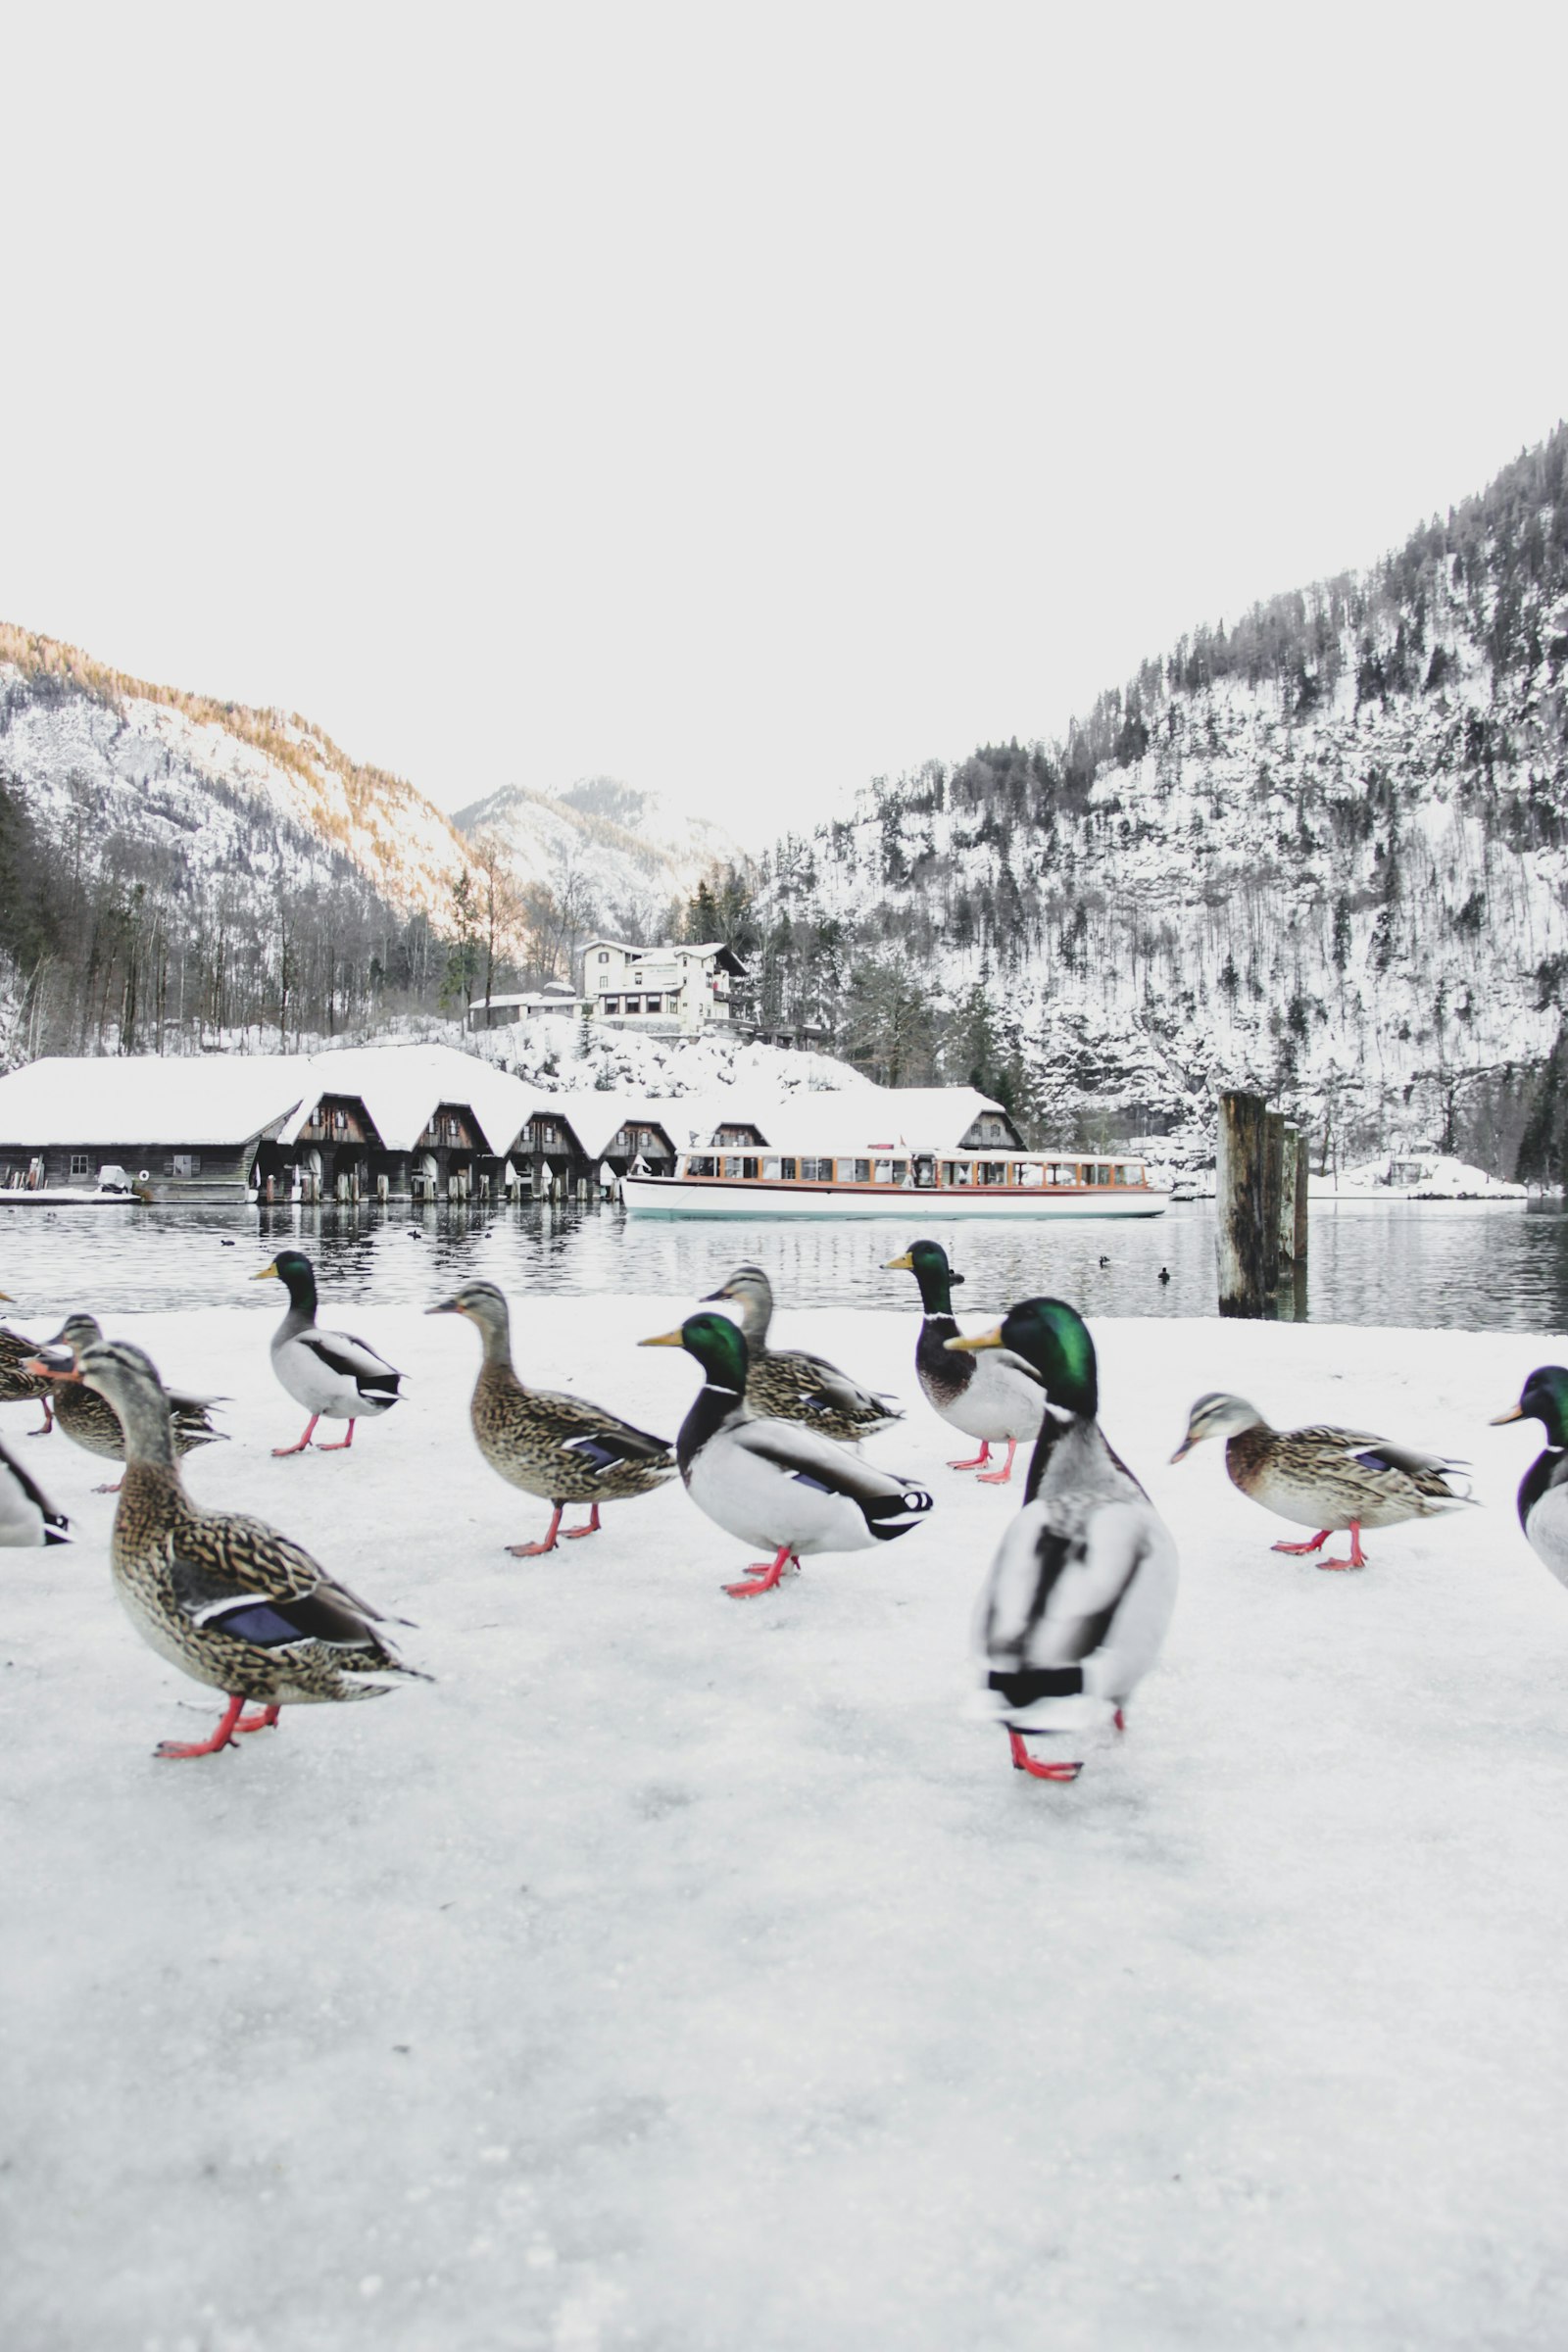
(557, 1447)
(90, 1421)
(789, 1384)
(1321, 1477)
(18, 1387)
(227, 1600)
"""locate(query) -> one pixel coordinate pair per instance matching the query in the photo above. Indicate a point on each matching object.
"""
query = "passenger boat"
(947, 1184)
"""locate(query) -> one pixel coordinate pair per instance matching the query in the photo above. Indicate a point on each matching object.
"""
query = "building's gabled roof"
(597, 1118)
(714, 950)
(165, 1099)
(403, 1086)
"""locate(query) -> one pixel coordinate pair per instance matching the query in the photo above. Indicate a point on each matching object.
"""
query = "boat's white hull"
(676, 1197)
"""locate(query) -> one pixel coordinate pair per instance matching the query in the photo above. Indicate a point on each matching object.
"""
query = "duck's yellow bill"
(665, 1339)
(983, 1338)
(266, 1274)
(899, 1265)
(6, 1295)
(1514, 1413)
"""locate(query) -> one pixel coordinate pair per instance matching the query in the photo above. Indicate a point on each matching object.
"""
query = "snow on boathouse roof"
(150, 1098)
(402, 1087)
(872, 1119)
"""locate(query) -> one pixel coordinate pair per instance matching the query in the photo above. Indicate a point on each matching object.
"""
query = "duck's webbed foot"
(1023, 1761)
(173, 1751)
(1299, 1551)
(767, 1577)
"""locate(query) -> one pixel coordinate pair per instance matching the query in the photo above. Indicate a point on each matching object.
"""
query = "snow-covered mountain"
(222, 787)
(1326, 852)
(634, 850)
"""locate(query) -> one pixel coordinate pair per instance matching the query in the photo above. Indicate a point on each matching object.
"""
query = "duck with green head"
(557, 1447)
(993, 1399)
(1324, 1476)
(772, 1483)
(1080, 1590)
(335, 1375)
(1543, 1489)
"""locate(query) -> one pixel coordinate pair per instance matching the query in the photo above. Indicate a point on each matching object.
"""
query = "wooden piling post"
(1241, 1153)
(1287, 1226)
(1273, 1194)
(1303, 1164)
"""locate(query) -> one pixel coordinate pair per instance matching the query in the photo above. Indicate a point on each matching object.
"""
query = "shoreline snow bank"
(685, 1973)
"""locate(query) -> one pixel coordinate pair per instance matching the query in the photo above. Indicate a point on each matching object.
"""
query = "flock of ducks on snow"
(1079, 1594)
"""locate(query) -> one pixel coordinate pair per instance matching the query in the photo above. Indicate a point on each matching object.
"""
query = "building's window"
(611, 1004)
(186, 1163)
(653, 1005)
(78, 1163)
(604, 955)
(634, 1004)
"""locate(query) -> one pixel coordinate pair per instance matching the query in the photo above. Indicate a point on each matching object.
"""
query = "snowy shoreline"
(684, 1973)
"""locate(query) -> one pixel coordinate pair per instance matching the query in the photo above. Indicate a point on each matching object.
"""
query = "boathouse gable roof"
(178, 1100)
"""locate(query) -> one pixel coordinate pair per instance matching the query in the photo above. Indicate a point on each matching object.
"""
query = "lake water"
(1450, 1265)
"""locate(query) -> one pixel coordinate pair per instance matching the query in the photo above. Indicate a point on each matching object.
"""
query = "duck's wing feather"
(55, 1523)
(602, 1438)
(1430, 1474)
(816, 1461)
(246, 1578)
(823, 1384)
(350, 1358)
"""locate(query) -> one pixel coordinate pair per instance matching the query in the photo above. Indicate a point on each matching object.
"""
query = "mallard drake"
(227, 1600)
(1543, 1489)
(1082, 1585)
(26, 1516)
(18, 1387)
(990, 1399)
(771, 1481)
(789, 1384)
(1321, 1477)
(335, 1377)
(90, 1420)
(560, 1447)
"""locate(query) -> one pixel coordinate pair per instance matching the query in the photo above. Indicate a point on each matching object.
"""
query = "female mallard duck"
(1543, 1489)
(560, 1447)
(18, 1387)
(90, 1420)
(334, 1377)
(26, 1516)
(1321, 1477)
(1083, 1583)
(993, 1400)
(227, 1600)
(788, 1385)
(771, 1481)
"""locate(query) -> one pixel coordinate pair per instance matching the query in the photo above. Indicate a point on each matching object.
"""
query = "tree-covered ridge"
(1322, 848)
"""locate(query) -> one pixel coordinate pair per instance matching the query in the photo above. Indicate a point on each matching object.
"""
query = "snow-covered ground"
(685, 1974)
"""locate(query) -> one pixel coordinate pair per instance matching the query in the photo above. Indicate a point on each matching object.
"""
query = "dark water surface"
(1433, 1264)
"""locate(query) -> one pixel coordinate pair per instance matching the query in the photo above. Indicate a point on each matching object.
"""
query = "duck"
(229, 1600)
(18, 1387)
(28, 1518)
(770, 1482)
(1081, 1589)
(996, 1401)
(788, 1384)
(1326, 1477)
(89, 1421)
(557, 1447)
(1163, 1277)
(335, 1377)
(1542, 1500)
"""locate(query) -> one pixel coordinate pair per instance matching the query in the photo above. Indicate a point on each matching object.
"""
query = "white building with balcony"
(666, 991)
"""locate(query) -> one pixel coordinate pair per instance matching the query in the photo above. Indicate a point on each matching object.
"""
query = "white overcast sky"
(739, 400)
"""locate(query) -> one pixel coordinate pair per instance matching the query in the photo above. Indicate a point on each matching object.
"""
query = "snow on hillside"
(563, 1054)
(1350, 906)
(629, 850)
(231, 792)
(678, 1973)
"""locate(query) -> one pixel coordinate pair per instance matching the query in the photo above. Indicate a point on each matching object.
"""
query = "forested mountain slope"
(1325, 850)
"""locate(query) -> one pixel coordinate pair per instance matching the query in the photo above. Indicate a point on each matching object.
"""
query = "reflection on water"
(1451, 1265)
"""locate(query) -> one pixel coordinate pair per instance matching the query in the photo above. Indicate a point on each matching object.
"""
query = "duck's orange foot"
(1357, 1558)
(535, 1551)
(768, 1576)
(171, 1751)
(262, 1721)
(1300, 1550)
(1023, 1761)
(592, 1528)
(979, 1461)
(1000, 1478)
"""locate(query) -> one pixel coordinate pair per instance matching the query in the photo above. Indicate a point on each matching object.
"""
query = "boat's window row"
(920, 1173)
